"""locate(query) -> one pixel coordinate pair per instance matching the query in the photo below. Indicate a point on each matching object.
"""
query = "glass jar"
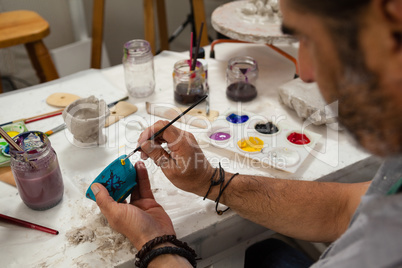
(138, 65)
(189, 86)
(36, 171)
(241, 77)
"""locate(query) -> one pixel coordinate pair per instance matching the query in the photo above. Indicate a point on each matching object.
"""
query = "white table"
(195, 220)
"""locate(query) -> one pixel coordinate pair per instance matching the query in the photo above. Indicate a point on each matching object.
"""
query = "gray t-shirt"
(374, 236)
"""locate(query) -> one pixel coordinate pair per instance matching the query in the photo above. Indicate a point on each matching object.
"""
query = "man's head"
(353, 50)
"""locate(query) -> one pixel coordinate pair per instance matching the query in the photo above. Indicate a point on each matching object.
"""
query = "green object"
(4, 156)
(396, 188)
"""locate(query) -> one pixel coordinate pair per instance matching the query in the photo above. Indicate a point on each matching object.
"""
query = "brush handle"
(26, 224)
(197, 49)
(9, 140)
(168, 125)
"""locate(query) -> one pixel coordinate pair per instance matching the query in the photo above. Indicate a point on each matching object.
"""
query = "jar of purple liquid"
(241, 77)
(189, 85)
(36, 171)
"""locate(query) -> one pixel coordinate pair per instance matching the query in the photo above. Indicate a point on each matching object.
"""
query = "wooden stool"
(28, 28)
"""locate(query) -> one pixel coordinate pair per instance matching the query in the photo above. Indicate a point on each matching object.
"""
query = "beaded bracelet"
(168, 250)
(147, 247)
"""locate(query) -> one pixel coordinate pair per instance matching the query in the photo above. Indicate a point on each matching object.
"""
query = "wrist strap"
(222, 188)
(168, 250)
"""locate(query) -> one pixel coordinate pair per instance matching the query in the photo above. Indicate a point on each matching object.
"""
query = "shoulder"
(374, 239)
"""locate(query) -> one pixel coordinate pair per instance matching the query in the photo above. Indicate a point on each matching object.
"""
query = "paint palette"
(117, 178)
(270, 140)
(12, 130)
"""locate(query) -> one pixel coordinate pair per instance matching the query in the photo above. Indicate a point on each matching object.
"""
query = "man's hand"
(140, 220)
(185, 166)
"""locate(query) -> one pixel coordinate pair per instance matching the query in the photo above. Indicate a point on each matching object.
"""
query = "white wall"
(123, 22)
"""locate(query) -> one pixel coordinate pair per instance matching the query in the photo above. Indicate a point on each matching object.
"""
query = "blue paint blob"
(237, 119)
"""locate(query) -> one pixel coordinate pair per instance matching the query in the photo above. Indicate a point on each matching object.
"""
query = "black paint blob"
(267, 128)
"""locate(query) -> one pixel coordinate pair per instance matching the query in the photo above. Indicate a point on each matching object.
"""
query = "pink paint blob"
(220, 136)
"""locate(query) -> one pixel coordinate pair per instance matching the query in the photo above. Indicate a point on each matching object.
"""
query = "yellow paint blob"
(12, 133)
(123, 162)
(251, 144)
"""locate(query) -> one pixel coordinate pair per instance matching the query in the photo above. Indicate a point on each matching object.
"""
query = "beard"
(371, 115)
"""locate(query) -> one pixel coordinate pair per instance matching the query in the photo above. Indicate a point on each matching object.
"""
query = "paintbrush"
(27, 224)
(13, 144)
(191, 63)
(197, 48)
(194, 59)
(168, 125)
(9, 140)
(35, 118)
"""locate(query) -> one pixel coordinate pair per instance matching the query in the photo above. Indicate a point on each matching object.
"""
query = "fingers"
(143, 188)
(105, 202)
(169, 135)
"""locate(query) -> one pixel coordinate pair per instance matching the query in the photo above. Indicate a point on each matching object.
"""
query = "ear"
(393, 10)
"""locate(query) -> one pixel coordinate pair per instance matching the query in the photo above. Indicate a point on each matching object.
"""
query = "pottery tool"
(35, 118)
(110, 105)
(26, 224)
(61, 99)
(119, 111)
(168, 125)
(195, 117)
(56, 129)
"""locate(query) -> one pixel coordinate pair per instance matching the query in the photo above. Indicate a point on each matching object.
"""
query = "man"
(353, 49)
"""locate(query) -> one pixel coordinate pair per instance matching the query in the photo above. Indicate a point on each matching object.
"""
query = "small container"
(37, 172)
(85, 118)
(189, 86)
(241, 77)
(138, 68)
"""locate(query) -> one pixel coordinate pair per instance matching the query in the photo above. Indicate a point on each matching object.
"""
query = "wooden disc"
(61, 99)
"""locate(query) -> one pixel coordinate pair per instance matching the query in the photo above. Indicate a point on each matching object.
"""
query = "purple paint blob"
(220, 136)
(237, 119)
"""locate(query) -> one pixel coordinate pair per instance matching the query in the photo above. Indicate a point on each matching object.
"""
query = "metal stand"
(190, 19)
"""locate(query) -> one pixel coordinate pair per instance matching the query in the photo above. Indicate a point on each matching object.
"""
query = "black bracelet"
(220, 212)
(168, 250)
(147, 247)
(217, 182)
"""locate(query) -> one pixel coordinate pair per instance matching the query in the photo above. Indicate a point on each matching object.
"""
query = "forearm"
(313, 211)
